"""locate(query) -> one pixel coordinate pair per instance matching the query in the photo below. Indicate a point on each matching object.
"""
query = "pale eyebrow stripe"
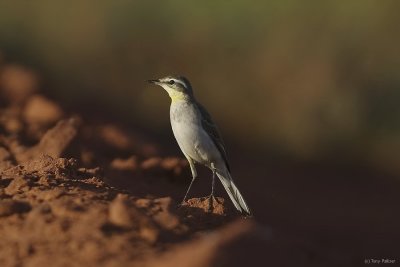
(180, 82)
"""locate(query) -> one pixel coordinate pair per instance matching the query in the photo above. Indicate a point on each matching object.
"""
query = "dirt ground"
(82, 192)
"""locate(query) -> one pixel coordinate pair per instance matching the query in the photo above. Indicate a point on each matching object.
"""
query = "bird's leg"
(187, 192)
(194, 175)
(211, 197)
(213, 179)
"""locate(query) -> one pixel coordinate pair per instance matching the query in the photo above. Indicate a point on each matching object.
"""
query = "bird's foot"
(211, 198)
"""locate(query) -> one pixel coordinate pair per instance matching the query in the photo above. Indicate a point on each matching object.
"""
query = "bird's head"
(178, 87)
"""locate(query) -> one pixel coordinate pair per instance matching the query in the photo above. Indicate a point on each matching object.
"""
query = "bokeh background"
(306, 95)
(302, 80)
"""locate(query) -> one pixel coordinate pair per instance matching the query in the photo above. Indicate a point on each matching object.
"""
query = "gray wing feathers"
(210, 127)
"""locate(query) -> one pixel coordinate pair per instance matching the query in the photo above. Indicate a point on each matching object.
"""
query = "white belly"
(192, 139)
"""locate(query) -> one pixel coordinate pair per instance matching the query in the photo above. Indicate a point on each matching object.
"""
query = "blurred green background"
(312, 81)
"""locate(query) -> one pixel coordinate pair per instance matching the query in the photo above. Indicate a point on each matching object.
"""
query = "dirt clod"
(215, 206)
(121, 213)
(17, 185)
(54, 141)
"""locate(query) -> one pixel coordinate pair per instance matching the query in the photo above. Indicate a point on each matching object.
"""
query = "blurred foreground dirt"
(82, 192)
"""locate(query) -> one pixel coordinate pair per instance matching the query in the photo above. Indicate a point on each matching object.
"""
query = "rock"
(9, 207)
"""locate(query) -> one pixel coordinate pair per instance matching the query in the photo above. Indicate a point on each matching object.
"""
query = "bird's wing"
(210, 127)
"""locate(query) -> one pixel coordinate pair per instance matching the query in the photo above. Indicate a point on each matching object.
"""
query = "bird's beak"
(154, 81)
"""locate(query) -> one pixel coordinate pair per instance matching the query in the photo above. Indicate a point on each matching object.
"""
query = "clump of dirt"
(74, 192)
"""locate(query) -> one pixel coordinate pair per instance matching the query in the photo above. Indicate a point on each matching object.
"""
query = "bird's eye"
(171, 81)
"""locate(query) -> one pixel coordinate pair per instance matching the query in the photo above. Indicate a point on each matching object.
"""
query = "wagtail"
(198, 137)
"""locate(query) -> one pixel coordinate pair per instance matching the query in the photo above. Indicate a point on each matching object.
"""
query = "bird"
(198, 138)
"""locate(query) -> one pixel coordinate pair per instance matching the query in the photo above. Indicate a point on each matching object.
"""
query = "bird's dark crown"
(179, 83)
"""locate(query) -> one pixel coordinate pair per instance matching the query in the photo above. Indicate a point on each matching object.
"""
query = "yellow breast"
(177, 96)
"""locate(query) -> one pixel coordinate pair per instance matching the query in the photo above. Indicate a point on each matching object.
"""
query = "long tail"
(233, 192)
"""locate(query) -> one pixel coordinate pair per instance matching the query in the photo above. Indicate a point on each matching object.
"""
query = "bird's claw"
(211, 198)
